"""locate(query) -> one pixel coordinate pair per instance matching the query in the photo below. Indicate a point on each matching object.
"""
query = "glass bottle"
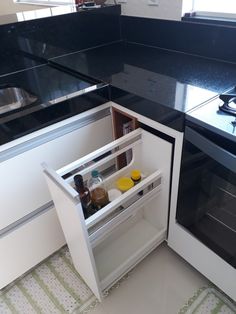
(98, 192)
(85, 196)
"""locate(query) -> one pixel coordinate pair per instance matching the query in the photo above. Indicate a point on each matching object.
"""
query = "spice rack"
(109, 243)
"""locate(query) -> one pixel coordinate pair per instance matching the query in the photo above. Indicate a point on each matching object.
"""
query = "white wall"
(8, 7)
(167, 9)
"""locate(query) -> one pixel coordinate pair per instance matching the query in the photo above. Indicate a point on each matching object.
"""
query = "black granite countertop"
(31, 38)
(12, 62)
(46, 82)
(160, 84)
(176, 80)
(59, 96)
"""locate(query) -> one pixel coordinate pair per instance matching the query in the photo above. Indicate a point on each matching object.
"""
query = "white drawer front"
(22, 185)
(26, 246)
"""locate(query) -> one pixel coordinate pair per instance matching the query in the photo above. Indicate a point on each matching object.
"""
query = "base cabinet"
(22, 172)
(26, 246)
(29, 227)
(212, 266)
(109, 243)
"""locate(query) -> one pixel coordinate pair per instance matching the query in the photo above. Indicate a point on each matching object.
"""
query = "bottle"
(85, 196)
(99, 194)
(136, 176)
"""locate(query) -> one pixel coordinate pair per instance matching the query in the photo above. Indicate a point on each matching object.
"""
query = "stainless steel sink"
(12, 98)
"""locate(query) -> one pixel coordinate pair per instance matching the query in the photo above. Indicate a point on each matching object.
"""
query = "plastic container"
(114, 194)
(124, 184)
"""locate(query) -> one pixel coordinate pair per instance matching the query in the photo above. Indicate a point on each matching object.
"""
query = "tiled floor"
(161, 284)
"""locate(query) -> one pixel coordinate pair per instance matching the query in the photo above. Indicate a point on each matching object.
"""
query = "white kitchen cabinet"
(24, 191)
(109, 243)
(25, 246)
(29, 227)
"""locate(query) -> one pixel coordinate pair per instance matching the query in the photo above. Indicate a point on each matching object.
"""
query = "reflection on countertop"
(45, 82)
(161, 84)
(11, 63)
(179, 81)
(57, 99)
(33, 42)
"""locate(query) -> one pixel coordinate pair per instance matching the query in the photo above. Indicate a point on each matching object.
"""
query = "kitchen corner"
(82, 65)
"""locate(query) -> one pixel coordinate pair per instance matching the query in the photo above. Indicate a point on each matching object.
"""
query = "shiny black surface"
(49, 85)
(212, 41)
(26, 124)
(11, 62)
(210, 117)
(176, 80)
(31, 42)
(207, 194)
(46, 83)
(150, 109)
(158, 83)
(26, 46)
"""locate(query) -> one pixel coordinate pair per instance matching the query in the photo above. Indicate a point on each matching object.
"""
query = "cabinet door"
(69, 210)
(22, 186)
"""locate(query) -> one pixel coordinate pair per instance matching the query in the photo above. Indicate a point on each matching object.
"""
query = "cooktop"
(218, 115)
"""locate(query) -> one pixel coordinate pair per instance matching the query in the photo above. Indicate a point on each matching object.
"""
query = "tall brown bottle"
(85, 196)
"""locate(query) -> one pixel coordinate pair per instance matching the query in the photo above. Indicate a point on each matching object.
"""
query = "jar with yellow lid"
(124, 184)
(136, 176)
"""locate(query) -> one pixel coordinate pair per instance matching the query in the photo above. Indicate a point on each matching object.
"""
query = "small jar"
(136, 176)
(113, 194)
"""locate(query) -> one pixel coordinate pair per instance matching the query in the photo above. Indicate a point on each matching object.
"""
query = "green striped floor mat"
(209, 301)
(52, 287)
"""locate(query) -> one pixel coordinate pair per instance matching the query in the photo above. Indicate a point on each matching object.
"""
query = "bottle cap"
(124, 184)
(78, 179)
(95, 173)
(135, 174)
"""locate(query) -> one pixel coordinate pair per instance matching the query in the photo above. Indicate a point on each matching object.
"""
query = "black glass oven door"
(207, 194)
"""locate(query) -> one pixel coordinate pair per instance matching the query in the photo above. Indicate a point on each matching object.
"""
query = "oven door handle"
(217, 153)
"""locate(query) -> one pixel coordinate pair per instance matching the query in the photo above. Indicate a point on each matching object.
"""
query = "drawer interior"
(128, 243)
(124, 208)
(129, 201)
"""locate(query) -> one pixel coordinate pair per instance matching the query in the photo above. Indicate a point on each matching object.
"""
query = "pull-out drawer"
(109, 243)
(102, 223)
